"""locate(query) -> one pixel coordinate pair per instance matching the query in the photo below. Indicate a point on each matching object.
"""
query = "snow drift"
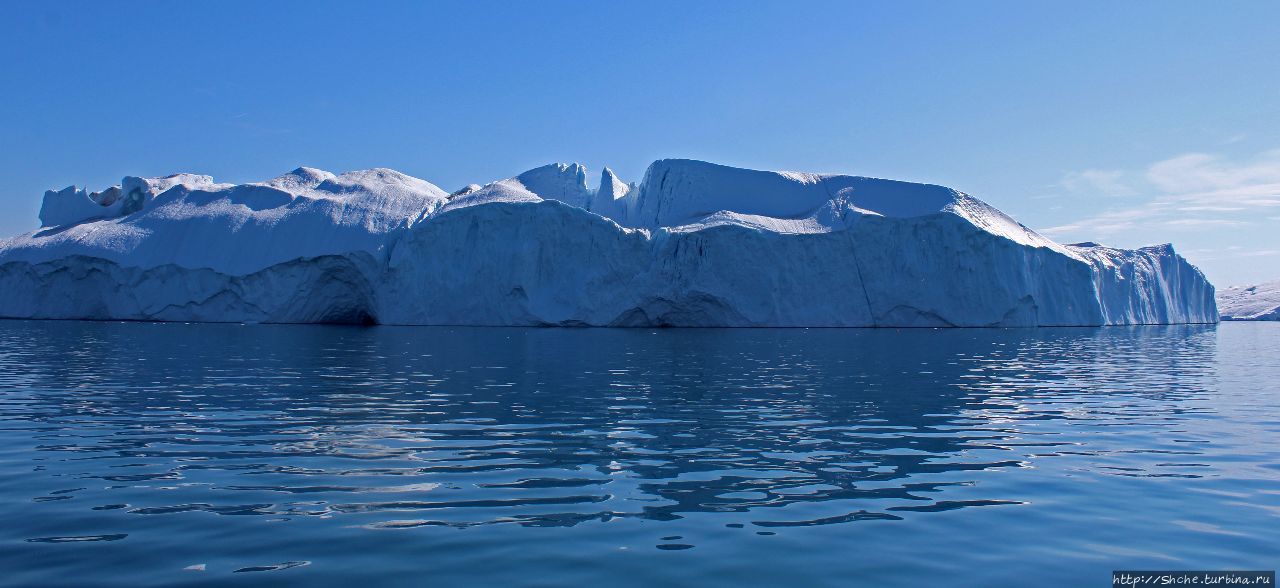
(1260, 302)
(692, 244)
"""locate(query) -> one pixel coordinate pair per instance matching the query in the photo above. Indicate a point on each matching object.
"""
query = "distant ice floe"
(1259, 302)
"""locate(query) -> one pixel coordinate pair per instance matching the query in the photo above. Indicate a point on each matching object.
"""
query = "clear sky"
(1127, 123)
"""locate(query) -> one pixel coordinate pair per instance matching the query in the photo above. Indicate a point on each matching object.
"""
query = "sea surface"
(168, 454)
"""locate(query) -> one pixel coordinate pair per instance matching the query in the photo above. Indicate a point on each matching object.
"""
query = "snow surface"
(1259, 302)
(693, 244)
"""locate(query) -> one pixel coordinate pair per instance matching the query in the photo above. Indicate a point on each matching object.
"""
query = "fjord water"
(134, 453)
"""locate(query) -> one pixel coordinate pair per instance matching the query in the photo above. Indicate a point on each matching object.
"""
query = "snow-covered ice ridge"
(693, 244)
(1260, 302)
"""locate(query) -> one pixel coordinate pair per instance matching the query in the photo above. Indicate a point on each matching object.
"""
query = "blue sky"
(1127, 123)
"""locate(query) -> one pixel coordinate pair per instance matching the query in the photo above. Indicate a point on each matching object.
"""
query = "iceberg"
(1260, 302)
(691, 244)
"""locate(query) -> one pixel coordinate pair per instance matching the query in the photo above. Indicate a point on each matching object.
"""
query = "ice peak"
(609, 199)
(566, 182)
(380, 180)
(611, 187)
(66, 206)
(302, 178)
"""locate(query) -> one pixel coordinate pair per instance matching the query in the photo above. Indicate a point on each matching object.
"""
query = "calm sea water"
(191, 454)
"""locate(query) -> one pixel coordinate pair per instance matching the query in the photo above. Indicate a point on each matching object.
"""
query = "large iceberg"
(692, 244)
(1260, 302)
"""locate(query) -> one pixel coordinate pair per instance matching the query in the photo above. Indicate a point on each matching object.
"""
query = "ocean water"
(161, 454)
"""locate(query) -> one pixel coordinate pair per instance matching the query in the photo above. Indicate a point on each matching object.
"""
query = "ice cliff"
(1260, 302)
(692, 244)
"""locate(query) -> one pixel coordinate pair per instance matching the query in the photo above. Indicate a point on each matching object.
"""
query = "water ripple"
(387, 453)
